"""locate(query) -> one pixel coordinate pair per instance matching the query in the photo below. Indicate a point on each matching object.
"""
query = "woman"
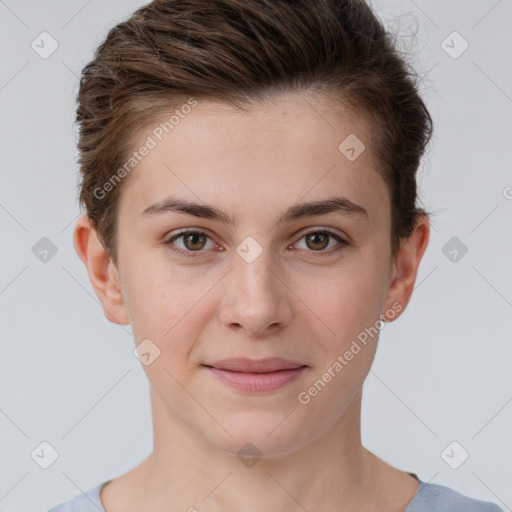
(249, 180)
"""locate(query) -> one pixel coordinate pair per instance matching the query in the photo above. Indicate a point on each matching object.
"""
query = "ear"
(405, 269)
(102, 272)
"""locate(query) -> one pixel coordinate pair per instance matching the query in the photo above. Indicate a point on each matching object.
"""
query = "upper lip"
(271, 364)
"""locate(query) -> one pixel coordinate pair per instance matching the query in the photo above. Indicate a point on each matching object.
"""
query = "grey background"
(442, 371)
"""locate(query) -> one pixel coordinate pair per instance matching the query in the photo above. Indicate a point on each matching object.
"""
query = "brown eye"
(194, 241)
(317, 240)
(189, 242)
(322, 242)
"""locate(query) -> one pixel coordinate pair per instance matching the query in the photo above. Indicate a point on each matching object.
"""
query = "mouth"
(256, 375)
(243, 365)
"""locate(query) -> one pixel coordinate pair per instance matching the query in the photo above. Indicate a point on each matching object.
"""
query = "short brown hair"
(242, 51)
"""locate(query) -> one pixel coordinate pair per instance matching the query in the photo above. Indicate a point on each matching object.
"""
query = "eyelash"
(190, 254)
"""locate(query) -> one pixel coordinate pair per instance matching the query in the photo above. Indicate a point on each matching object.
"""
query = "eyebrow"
(298, 211)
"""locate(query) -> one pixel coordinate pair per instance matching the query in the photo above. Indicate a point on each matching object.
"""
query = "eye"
(318, 240)
(194, 241)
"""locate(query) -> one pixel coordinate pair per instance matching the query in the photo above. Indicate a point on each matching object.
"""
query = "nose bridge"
(254, 263)
(258, 275)
(254, 275)
(255, 296)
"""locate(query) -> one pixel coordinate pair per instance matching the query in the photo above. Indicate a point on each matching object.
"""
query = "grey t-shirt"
(428, 498)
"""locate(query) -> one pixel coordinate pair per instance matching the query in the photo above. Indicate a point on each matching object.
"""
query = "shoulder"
(439, 498)
(84, 502)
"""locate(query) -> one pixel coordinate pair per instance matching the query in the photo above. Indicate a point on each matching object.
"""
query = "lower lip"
(258, 382)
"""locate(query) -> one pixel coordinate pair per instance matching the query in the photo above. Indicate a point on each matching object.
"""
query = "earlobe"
(406, 264)
(101, 270)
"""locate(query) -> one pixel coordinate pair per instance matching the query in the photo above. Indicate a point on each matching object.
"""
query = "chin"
(257, 436)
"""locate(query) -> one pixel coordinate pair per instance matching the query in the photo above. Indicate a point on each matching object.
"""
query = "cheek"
(351, 308)
(351, 300)
(166, 308)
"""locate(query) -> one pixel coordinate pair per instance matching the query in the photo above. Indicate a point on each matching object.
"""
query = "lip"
(241, 364)
(256, 375)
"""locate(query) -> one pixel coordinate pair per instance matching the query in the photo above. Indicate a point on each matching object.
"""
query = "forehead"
(292, 147)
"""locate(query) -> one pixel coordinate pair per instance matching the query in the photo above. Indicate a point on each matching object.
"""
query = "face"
(264, 278)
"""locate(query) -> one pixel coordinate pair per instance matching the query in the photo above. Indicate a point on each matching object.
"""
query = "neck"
(193, 474)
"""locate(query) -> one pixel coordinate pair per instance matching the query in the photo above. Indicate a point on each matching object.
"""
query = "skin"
(254, 165)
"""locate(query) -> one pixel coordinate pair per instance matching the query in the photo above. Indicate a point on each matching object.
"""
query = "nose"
(255, 298)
